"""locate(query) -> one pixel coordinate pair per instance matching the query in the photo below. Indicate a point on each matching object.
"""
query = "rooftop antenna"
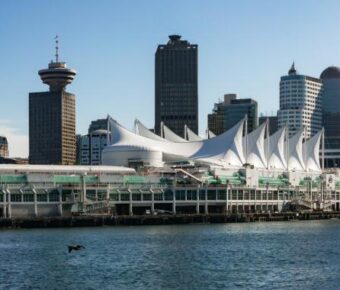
(56, 48)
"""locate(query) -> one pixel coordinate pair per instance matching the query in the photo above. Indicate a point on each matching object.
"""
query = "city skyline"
(236, 56)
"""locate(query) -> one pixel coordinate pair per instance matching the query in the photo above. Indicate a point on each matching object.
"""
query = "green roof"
(13, 178)
(134, 179)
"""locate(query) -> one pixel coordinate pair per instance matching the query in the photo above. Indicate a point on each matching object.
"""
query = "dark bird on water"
(75, 248)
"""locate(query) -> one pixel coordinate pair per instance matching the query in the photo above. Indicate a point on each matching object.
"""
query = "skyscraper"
(228, 113)
(300, 103)
(52, 117)
(176, 89)
(331, 115)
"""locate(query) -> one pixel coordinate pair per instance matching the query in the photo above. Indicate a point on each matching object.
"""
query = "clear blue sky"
(244, 48)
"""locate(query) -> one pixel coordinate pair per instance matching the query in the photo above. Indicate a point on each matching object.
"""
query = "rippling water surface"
(288, 255)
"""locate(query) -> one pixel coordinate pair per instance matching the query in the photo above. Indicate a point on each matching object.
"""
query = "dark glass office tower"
(176, 90)
(331, 115)
(52, 118)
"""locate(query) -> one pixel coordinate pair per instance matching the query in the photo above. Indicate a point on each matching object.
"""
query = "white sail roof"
(190, 135)
(276, 152)
(169, 135)
(295, 156)
(225, 149)
(145, 132)
(311, 151)
(255, 145)
(234, 155)
(142, 130)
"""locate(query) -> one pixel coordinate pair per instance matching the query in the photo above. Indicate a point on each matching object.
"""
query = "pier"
(39, 192)
(142, 220)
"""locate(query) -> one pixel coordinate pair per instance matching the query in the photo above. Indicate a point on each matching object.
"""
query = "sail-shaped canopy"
(233, 150)
(295, 156)
(169, 135)
(311, 152)
(255, 147)
(225, 149)
(145, 132)
(191, 136)
(276, 151)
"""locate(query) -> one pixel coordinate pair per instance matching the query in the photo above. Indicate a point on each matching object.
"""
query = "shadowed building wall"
(52, 128)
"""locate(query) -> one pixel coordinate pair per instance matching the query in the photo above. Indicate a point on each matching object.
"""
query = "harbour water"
(277, 255)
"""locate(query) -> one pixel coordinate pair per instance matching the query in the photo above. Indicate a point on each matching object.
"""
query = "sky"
(244, 48)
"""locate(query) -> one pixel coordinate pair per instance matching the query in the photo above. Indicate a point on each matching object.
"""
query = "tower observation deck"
(57, 75)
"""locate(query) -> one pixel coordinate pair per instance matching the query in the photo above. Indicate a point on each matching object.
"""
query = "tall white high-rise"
(300, 103)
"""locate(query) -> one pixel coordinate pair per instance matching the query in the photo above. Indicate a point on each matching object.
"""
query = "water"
(287, 255)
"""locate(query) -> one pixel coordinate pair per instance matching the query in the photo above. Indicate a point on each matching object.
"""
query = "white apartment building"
(300, 103)
(91, 147)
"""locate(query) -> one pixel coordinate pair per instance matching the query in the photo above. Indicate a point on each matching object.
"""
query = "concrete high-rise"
(176, 88)
(52, 117)
(300, 103)
(331, 115)
(228, 113)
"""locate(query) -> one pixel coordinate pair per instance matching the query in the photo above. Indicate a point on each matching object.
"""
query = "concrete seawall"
(95, 221)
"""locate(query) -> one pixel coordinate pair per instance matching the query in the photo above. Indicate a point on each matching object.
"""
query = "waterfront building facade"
(38, 191)
(4, 153)
(52, 118)
(229, 112)
(176, 85)
(331, 115)
(300, 103)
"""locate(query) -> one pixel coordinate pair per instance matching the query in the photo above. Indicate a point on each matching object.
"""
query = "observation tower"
(57, 75)
(52, 117)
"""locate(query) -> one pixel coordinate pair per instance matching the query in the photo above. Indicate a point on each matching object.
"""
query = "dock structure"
(45, 191)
